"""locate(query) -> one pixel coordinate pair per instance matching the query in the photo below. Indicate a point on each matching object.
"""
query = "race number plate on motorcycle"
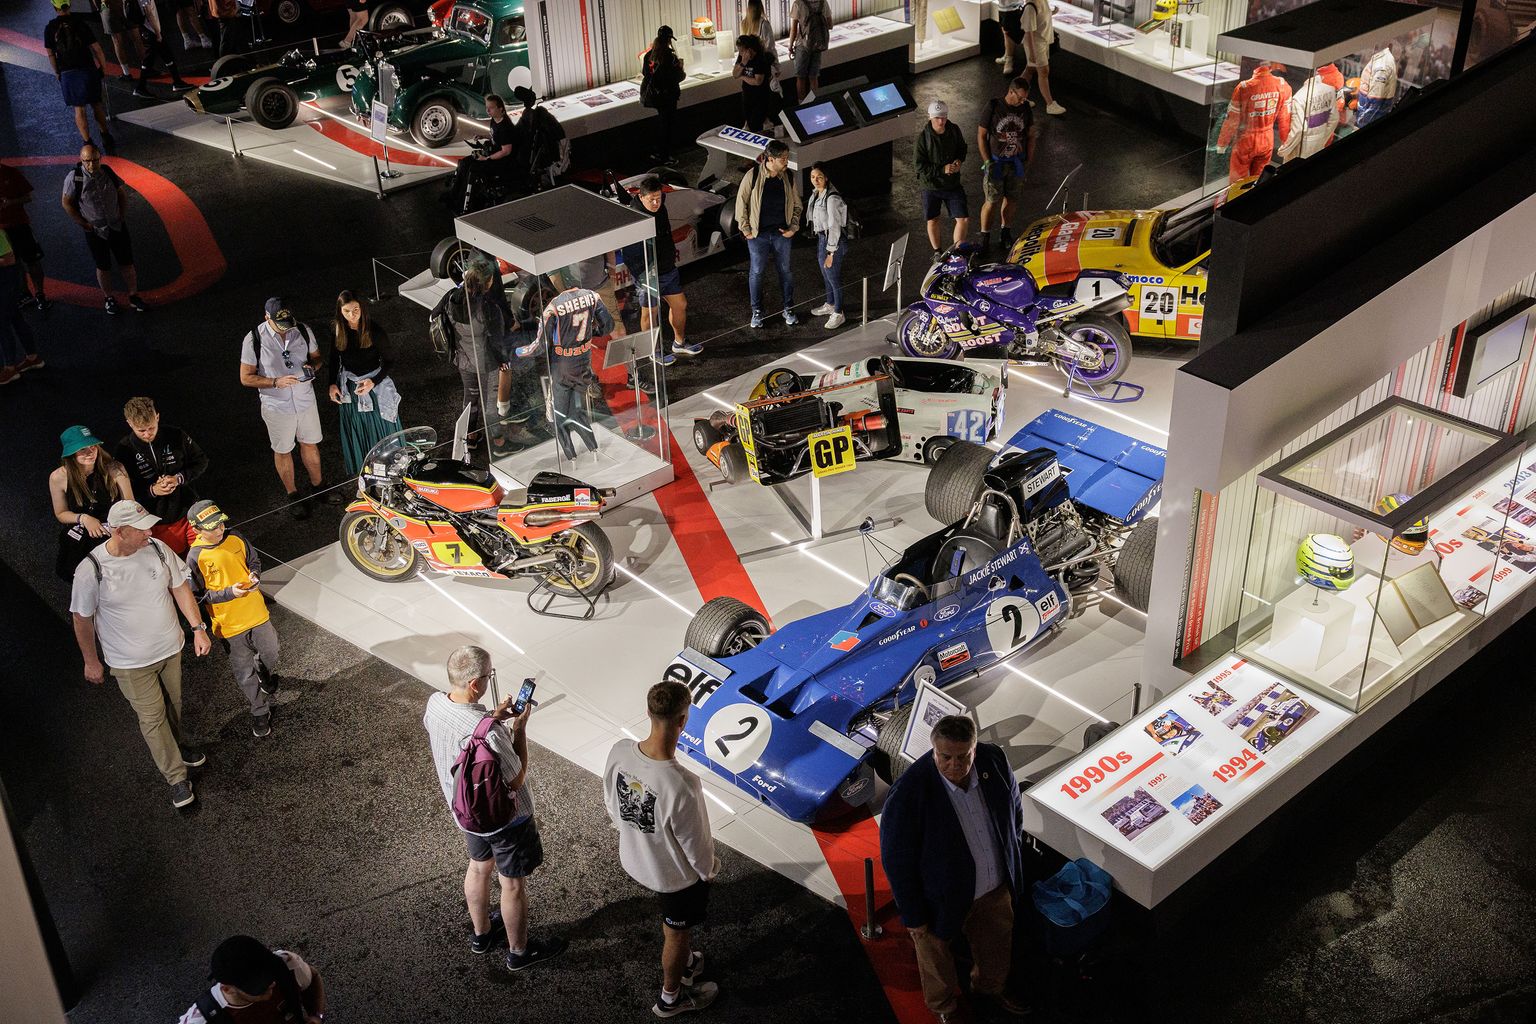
(454, 553)
(1091, 291)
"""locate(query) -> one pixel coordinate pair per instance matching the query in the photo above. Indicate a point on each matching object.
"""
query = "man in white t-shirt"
(1039, 34)
(126, 594)
(664, 842)
(515, 850)
(255, 984)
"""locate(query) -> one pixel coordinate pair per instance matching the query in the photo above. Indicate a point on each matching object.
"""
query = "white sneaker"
(835, 321)
(1055, 108)
(822, 310)
(1001, 60)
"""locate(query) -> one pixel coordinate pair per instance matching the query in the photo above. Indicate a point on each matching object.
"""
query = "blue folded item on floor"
(1074, 894)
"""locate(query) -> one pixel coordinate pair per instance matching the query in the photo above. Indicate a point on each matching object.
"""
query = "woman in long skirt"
(360, 381)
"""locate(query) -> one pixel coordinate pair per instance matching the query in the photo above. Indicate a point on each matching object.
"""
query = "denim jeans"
(773, 245)
(16, 341)
(832, 275)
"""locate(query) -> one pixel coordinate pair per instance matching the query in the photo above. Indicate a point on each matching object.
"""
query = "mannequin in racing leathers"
(1378, 87)
(1258, 104)
(568, 325)
(1314, 111)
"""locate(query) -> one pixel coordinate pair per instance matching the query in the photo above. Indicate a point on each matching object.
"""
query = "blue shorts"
(670, 283)
(82, 87)
(952, 199)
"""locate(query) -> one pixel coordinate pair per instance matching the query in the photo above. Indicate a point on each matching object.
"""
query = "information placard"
(832, 451)
(378, 122)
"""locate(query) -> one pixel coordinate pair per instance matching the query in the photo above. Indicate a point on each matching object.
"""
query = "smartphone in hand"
(523, 697)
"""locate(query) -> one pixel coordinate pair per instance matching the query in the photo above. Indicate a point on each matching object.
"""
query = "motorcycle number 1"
(1093, 290)
(454, 552)
(736, 736)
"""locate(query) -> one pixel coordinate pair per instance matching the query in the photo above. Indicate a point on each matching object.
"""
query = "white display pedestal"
(940, 47)
(1158, 46)
(1310, 629)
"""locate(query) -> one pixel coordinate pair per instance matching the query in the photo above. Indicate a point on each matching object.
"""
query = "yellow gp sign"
(831, 451)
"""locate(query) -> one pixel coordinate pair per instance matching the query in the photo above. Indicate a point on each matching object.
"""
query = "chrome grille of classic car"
(386, 83)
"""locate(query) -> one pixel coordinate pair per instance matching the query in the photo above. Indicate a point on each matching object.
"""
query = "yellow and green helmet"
(1415, 535)
(1325, 561)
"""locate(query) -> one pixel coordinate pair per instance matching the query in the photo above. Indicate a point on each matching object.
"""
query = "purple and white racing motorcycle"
(1076, 326)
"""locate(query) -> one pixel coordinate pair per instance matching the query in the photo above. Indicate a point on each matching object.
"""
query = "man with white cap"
(939, 154)
(126, 594)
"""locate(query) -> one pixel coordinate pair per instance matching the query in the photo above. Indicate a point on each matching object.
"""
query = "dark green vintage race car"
(273, 89)
(483, 47)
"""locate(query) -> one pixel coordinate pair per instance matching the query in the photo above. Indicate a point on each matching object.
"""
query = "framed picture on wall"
(1493, 346)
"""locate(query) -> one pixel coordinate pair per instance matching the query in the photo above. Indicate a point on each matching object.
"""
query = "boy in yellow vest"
(224, 578)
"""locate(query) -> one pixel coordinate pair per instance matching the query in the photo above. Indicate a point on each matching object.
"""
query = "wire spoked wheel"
(584, 563)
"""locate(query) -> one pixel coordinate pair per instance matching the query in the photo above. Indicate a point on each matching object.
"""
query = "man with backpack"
(810, 33)
(95, 199)
(126, 594)
(79, 65)
(255, 985)
(482, 766)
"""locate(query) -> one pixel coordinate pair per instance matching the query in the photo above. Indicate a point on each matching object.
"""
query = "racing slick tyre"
(918, 335)
(1133, 566)
(391, 18)
(892, 766)
(588, 562)
(272, 104)
(448, 259)
(955, 481)
(1108, 334)
(733, 464)
(725, 626)
(376, 549)
(228, 65)
(705, 437)
(935, 447)
(435, 123)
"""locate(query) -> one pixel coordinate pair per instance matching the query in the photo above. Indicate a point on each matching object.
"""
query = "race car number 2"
(736, 736)
(1013, 622)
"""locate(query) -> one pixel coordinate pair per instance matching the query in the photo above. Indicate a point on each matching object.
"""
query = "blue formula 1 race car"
(806, 717)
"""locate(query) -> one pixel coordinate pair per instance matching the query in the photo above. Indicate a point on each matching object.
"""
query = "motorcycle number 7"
(1093, 290)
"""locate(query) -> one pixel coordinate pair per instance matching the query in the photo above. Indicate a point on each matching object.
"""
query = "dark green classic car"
(482, 47)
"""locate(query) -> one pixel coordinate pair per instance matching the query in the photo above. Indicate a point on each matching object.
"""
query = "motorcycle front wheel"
(919, 335)
(376, 548)
(586, 561)
(1105, 337)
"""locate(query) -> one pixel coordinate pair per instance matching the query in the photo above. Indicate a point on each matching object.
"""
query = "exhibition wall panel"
(583, 45)
(1506, 402)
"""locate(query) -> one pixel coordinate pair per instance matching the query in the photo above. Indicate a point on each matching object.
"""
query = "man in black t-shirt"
(1006, 141)
(78, 64)
(661, 282)
(499, 162)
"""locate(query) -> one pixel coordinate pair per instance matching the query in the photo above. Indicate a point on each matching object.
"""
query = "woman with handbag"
(360, 385)
(661, 80)
(828, 215)
(83, 488)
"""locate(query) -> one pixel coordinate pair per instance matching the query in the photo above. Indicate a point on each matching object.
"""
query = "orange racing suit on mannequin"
(1257, 105)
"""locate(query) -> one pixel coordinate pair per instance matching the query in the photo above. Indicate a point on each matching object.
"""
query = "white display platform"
(618, 463)
(1113, 45)
(307, 146)
(593, 675)
(939, 47)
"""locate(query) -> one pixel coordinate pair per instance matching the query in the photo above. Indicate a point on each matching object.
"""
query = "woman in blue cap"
(83, 488)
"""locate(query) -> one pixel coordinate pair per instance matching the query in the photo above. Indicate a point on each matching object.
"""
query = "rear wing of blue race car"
(1107, 471)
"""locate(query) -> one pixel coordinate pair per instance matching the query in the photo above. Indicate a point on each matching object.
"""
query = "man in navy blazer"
(951, 843)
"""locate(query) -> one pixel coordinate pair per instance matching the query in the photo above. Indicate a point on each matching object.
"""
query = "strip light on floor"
(498, 634)
(1087, 401)
(316, 159)
(800, 547)
(671, 601)
(717, 400)
(813, 362)
(1105, 595)
(1055, 693)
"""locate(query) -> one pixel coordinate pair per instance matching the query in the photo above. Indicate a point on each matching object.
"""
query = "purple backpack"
(482, 800)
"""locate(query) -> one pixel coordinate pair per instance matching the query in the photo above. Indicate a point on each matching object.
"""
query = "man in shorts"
(15, 194)
(662, 282)
(278, 358)
(515, 850)
(1039, 34)
(95, 199)
(810, 33)
(665, 844)
(114, 22)
(79, 65)
(1006, 141)
(939, 155)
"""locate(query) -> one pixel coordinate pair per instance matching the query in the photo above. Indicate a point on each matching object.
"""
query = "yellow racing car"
(1163, 252)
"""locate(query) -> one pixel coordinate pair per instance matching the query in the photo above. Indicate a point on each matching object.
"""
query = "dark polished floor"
(1397, 889)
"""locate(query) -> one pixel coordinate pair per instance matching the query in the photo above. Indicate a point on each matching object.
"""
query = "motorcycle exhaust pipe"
(549, 518)
(523, 564)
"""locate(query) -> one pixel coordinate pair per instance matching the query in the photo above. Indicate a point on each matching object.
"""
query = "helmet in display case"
(1325, 561)
(1415, 535)
(703, 29)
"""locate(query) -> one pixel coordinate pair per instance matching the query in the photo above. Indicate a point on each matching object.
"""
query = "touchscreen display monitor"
(818, 119)
(882, 99)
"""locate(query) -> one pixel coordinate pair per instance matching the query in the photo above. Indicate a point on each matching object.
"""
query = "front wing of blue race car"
(788, 722)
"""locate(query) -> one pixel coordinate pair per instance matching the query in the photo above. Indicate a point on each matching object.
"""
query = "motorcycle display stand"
(1094, 394)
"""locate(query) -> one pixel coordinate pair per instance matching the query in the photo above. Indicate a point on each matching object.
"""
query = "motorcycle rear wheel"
(590, 567)
(1108, 334)
(376, 549)
(919, 336)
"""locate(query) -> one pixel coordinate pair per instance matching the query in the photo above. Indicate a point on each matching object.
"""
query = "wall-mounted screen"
(1493, 347)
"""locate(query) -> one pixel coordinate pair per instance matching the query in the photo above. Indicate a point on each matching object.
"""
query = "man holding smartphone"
(224, 579)
(515, 850)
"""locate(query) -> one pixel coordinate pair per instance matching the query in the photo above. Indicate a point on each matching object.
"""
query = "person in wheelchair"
(495, 169)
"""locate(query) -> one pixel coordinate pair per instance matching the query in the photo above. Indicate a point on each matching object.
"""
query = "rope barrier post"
(234, 147)
(864, 302)
(871, 931)
(375, 280)
(378, 182)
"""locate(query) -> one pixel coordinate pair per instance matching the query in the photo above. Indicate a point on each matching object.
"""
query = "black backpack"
(77, 180)
(440, 330)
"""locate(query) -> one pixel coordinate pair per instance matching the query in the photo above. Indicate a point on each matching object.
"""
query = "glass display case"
(1289, 86)
(1378, 545)
(1175, 35)
(559, 368)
